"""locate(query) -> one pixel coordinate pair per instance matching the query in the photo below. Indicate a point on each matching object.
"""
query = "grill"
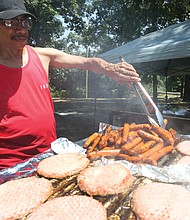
(117, 206)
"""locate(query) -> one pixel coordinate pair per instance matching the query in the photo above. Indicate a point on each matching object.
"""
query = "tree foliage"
(99, 25)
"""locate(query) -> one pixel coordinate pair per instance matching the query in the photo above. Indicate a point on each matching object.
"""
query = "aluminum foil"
(63, 145)
(28, 168)
(24, 169)
(177, 173)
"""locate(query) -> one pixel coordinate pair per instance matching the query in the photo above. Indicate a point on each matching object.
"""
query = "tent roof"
(166, 51)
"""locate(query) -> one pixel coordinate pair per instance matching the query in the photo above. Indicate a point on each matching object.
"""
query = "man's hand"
(122, 72)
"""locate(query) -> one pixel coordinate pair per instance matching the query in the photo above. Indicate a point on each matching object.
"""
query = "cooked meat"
(20, 197)
(184, 147)
(62, 165)
(70, 208)
(184, 160)
(161, 201)
(105, 180)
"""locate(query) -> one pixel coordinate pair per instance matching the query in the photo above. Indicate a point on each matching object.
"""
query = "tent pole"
(167, 81)
(166, 89)
(155, 90)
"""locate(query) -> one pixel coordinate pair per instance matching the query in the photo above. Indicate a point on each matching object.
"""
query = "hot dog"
(141, 148)
(104, 141)
(125, 133)
(103, 153)
(108, 129)
(131, 152)
(164, 134)
(134, 127)
(118, 141)
(105, 136)
(90, 139)
(147, 136)
(152, 150)
(131, 143)
(159, 154)
(173, 133)
(94, 144)
(135, 159)
(113, 136)
(132, 134)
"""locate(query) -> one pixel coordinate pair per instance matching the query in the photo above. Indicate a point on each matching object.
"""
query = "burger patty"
(70, 208)
(62, 165)
(161, 201)
(184, 160)
(105, 180)
(20, 197)
(184, 147)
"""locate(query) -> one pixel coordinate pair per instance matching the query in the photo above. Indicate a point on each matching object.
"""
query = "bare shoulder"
(46, 51)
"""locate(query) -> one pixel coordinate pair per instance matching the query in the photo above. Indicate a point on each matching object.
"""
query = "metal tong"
(138, 86)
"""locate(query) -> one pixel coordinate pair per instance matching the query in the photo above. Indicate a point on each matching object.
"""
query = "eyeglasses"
(14, 23)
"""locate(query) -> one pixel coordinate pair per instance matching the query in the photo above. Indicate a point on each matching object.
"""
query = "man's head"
(12, 8)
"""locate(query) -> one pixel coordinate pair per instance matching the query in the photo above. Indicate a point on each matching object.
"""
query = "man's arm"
(121, 72)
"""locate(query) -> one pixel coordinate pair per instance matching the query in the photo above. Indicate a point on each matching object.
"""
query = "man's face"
(14, 32)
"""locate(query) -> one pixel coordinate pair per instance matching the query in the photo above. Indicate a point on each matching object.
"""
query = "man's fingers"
(125, 79)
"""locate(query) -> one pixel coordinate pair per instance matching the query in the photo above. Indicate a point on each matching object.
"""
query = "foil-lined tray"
(117, 206)
(167, 172)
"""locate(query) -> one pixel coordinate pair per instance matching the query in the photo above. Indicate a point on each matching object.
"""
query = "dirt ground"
(76, 119)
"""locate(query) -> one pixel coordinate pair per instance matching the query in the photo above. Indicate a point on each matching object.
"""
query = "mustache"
(18, 36)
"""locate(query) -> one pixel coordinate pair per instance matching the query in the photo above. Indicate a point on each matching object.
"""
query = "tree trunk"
(186, 97)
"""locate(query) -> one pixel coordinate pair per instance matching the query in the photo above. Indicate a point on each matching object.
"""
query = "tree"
(126, 20)
(48, 27)
(186, 97)
(101, 24)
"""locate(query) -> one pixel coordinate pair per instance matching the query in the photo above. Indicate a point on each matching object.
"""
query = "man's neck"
(13, 58)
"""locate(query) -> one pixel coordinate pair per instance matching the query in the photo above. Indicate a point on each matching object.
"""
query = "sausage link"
(147, 136)
(152, 150)
(103, 153)
(118, 141)
(135, 159)
(104, 141)
(159, 154)
(131, 143)
(173, 133)
(113, 136)
(125, 133)
(90, 139)
(94, 144)
(141, 148)
(134, 127)
(164, 134)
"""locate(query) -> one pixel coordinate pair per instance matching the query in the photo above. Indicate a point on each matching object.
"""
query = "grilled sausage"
(103, 153)
(134, 127)
(159, 154)
(131, 143)
(125, 133)
(173, 133)
(141, 148)
(152, 150)
(113, 136)
(90, 139)
(147, 136)
(135, 159)
(164, 134)
(94, 144)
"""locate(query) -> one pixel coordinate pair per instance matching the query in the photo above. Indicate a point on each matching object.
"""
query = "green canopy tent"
(163, 52)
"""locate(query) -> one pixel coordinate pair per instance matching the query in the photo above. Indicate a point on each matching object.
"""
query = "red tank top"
(27, 122)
